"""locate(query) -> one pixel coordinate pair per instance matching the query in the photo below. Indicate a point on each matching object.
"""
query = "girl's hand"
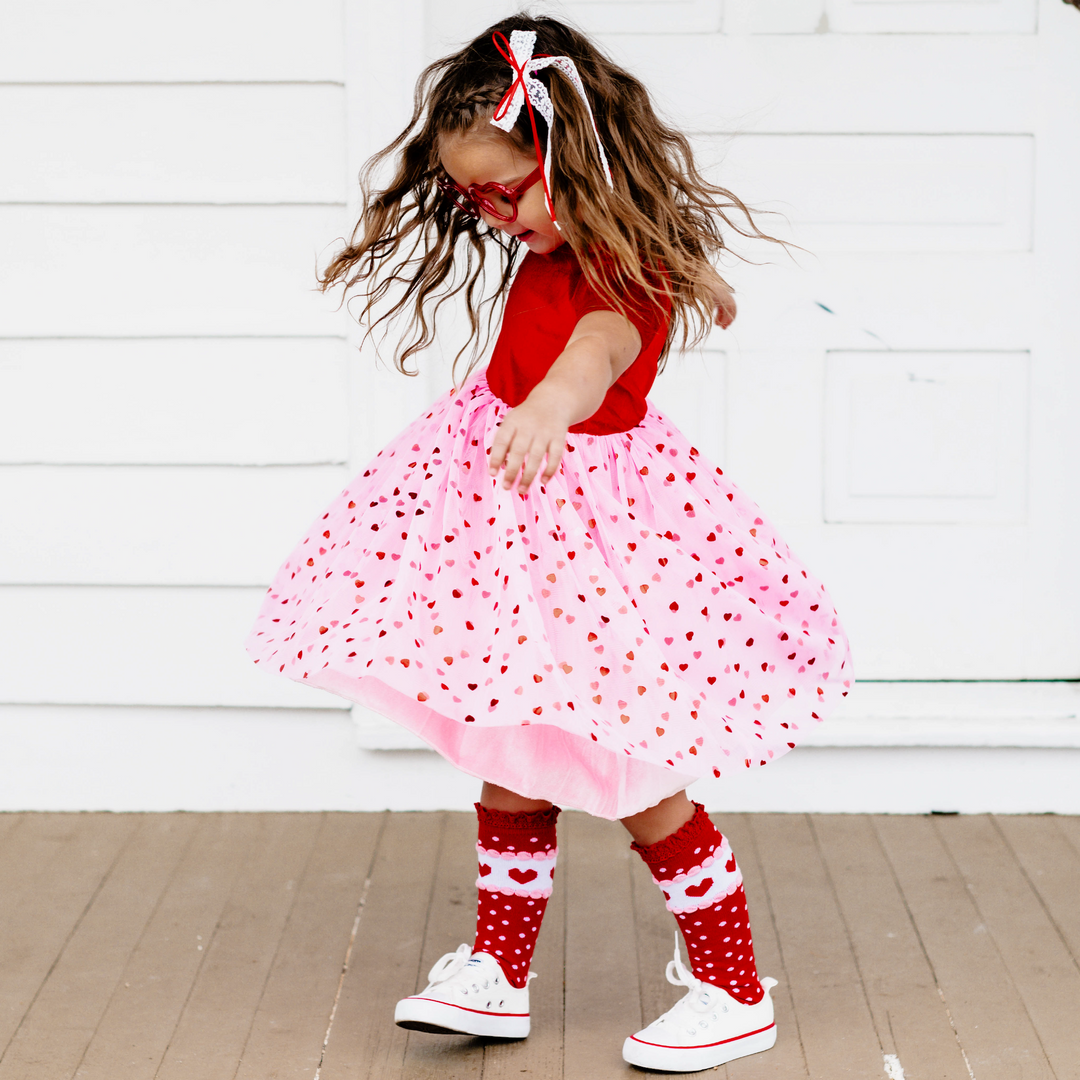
(724, 300)
(601, 347)
(535, 429)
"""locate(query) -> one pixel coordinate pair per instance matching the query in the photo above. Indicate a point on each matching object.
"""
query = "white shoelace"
(701, 995)
(449, 965)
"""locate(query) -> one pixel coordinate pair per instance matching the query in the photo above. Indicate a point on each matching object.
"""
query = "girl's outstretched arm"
(603, 345)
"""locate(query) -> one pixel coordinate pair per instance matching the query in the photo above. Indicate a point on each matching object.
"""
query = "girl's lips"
(523, 236)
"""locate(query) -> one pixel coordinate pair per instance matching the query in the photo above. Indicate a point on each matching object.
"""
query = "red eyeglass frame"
(473, 199)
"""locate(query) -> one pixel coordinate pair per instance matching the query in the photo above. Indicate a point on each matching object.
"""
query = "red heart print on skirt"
(522, 877)
(484, 870)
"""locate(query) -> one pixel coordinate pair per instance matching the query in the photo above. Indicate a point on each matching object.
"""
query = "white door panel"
(926, 437)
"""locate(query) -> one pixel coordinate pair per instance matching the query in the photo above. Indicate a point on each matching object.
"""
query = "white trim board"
(894, 714)
(116, 758)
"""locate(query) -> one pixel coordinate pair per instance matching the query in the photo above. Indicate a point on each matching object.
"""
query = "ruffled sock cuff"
(693, 832)
(525, 821)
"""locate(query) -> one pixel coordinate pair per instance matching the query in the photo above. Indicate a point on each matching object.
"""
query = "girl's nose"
(492, 222)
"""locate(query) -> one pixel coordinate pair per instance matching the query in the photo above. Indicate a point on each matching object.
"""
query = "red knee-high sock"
(702, 884)
(517, 864)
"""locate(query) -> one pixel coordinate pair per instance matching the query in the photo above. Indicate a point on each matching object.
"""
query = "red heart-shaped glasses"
(477, 197)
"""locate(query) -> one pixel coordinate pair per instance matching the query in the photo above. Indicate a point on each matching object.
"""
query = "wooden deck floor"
(265, 946)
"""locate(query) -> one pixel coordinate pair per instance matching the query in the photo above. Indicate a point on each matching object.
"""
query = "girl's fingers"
(499, 446)
(554, 456)
(515, 457)
(521, 455)
(532, 461)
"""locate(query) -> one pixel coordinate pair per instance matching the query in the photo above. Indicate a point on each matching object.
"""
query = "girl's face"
(479, 158)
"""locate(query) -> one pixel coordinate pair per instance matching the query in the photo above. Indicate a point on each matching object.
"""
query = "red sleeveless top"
(548, 297)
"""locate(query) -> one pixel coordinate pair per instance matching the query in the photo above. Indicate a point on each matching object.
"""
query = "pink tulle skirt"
(601, 640)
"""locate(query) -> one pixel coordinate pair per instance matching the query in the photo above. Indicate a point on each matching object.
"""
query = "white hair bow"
(528, 90)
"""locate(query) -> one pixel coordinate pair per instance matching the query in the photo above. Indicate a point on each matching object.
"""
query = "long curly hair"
(658, 229)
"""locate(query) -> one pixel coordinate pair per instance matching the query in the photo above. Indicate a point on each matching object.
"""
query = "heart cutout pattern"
(700, 889)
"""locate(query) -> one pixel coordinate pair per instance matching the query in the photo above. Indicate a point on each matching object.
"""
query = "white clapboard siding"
(646, 16)
(106, 645)
(163, 525)
(186, 144)
(160, 759)
(199, 40)
(692, 392)
(777, 17)
(775, 430)
(953, 300)
(885, 193)
(448, 26)
(130, 271)
(711, 82)
(184, 401)
(931, 16)
(913, 437)
(952, 597)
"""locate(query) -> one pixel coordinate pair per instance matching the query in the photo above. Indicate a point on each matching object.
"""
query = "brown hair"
(413, 243)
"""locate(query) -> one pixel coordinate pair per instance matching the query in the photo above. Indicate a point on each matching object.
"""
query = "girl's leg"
(517, 851)
(493, 797)
(693, 865)
(660, 821)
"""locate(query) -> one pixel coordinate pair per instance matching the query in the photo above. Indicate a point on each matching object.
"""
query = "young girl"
(540, 576)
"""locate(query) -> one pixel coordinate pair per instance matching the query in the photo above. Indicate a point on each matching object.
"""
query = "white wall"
(176, 402)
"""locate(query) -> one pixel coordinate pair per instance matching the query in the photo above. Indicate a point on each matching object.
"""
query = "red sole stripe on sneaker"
(478, 1012)
(705, 1046)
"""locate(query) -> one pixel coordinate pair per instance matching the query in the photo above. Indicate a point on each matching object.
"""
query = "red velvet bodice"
(547, 298)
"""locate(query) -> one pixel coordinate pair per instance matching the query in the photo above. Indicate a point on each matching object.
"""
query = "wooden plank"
(145, 402)
(837, 1028)
(1045, 975)
(603, 1000)
(58, 1026)
(287, 1033)
(451, 920)
(908, 1013)
(217, 270)
(1070, 828)
(142, 1015)
(364, 1041)
(173, 144)
(61, 861)
(219, 1011)
(991, 1023)
(786, 1060)
(126, 41)
(226, 525)
(541, 1054)
(9, 825)
(655, 931)
(194, 655)
(1052, 864)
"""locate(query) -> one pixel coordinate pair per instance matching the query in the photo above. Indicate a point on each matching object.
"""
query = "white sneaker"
(705, 1028)
(467, 994)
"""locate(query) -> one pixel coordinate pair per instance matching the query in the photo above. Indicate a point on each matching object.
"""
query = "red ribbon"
(504, 105)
